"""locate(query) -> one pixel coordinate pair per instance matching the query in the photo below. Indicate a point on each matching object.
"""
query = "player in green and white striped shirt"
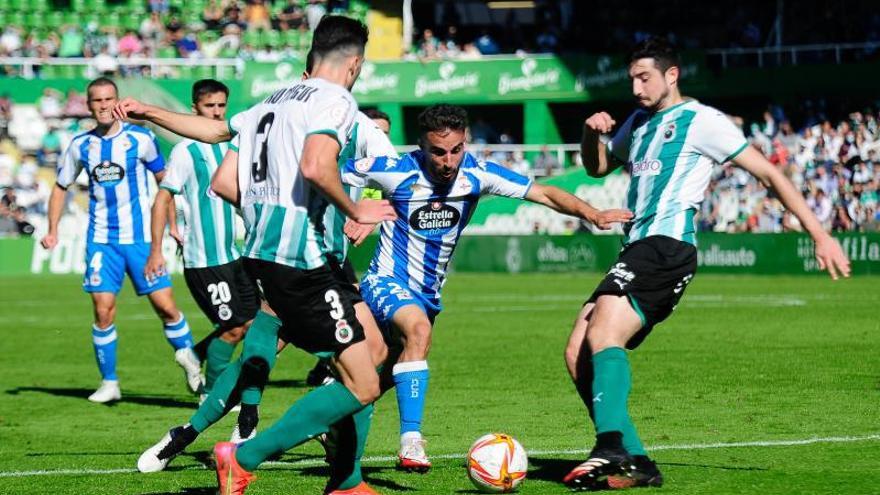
(669, 146)
(212, 269)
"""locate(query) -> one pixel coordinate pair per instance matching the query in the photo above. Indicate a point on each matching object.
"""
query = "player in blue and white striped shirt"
(434, 192)
(117, 156)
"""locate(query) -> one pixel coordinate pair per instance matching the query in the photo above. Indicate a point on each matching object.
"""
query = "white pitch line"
(536, 453)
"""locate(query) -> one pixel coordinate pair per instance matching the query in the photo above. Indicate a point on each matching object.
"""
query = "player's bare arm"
(187, 125)
(358, 232)
(225, 180)
(569, 204)
(319, 167)
(828, 252)
(56, 205)
(593, 150)
(158, 219)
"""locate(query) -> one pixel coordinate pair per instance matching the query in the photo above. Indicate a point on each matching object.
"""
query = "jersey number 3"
(260, 166)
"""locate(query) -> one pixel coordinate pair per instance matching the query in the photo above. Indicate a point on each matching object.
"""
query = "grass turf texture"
(743, 359)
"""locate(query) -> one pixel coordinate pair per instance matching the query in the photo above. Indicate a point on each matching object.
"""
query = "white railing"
(792, 54)
(224, 68)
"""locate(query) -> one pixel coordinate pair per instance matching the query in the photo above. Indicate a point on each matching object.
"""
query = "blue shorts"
(107, 264)
(385, 295)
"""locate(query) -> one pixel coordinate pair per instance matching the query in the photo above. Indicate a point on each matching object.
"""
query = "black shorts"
(653, 273)
(316, 311)
(224, 293)
(344, 274)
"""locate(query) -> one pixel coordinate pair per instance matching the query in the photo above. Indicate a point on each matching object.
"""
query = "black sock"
(248, 418)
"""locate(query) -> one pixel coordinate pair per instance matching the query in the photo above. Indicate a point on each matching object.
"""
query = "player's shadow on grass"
(713, 466)
(553, 470)
(369, 474)
(200, 490)
(83, 393)
(293, 383)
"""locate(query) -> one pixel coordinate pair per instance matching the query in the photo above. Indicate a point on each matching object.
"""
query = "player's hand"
(600, 122)
(830, 257)
(371, 211)
(129, 108)
(357, 232)
(176, 235)
(155, 266)
(605, 219)
(49, 241)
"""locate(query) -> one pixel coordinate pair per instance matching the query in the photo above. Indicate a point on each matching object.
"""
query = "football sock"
(181, 437)
(104, 341)
(201, 347)
(611, 385)
(248, 418)
(178, 333)
(218, 356)
(307, 418)
(411, 382)
(350, 438)
(258, 356)
(218, 401)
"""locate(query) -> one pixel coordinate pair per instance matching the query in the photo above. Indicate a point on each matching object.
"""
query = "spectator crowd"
(835, 165)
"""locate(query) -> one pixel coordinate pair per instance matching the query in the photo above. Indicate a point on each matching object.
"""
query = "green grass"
(744, 359)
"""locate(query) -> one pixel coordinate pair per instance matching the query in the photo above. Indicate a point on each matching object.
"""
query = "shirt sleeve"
(180, 168)
(152, 157)
(618, 146)
(69, 167)
(235, 122)
(333, 115)
(501, 181)
(376, 142)
(717, 137)
(373, 172)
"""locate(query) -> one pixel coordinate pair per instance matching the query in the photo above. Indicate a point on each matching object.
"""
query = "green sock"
(219, 354)
(611, 385)
(258, 356)
(215, 405)
(350, 437)
(307, 418)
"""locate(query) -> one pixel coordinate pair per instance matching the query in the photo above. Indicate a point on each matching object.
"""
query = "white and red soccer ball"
(497, 463)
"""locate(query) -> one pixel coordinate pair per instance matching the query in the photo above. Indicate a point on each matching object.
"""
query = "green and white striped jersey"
(209, 227)
(670, 155)
(366, 140)
(283, 213)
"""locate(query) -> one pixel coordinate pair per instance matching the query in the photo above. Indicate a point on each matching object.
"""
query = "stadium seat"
(35, 20)
(19, 5)
(55, 20)
(204, 72)
(271, 38)
(96, 6)
(72, 18)
(5, 6)
(166, 52)
(40, 5)
(111, 19)
(78, 5)
(16, 19)
(185, 72)
(4, 19)
(251, 38)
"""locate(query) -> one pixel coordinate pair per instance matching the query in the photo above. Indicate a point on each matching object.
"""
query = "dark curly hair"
(658, 48)
(441, 117)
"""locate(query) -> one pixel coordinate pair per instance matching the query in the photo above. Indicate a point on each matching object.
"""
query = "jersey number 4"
(260, 166)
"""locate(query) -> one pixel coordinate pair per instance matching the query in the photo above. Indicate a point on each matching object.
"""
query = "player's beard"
(654, 105)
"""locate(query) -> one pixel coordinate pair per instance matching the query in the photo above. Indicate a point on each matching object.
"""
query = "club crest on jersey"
(646, 167)
(669, 132)
(364, 164)
(344, 333)
(435, 215)
(223, 312)
(108, 174)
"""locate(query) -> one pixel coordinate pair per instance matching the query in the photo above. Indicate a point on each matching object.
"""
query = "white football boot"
(412, 456)
(151, 462)
(192, 368)
(107, 392)
(236, 435)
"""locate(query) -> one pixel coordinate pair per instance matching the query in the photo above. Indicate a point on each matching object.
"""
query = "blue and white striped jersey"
(119, 192)
(417, 247)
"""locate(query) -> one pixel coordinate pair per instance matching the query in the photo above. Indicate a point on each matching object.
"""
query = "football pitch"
(766, 385)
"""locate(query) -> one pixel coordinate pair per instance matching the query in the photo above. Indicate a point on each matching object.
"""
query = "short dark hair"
(310, 62)
(375, 113)
(441, 117)
(204, 87)
(339, 33)
(101, 81)
(663, 52)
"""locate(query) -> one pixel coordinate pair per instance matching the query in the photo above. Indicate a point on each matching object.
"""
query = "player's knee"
(104, 316)
(234, 335)
(571, 354)
(366, 388)
(599, 341)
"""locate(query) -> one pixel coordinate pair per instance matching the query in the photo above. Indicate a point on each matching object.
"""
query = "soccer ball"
(497, 463)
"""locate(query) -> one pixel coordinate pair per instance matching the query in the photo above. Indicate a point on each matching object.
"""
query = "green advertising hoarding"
(761, 254)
